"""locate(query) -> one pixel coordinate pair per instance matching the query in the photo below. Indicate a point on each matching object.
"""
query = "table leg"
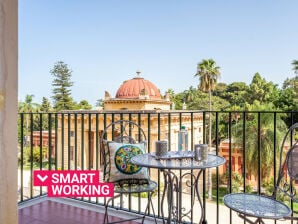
(258, 220)
(202, 219)
(172, 185)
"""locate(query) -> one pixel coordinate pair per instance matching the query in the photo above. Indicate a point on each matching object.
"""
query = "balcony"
(70, 141)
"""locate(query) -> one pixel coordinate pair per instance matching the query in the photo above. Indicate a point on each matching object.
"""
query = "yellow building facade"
(136, 99)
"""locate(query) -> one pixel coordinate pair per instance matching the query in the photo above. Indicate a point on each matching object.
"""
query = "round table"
(173, 182)
(258, 206)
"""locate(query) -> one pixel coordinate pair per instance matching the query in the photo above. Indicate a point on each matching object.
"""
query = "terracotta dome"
(137, 87)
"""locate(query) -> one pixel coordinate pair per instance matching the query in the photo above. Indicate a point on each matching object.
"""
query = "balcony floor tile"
(51, 212)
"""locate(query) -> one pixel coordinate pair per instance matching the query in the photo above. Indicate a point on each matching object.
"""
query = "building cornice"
(116, 101)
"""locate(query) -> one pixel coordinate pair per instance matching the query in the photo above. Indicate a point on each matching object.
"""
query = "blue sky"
(105, 42)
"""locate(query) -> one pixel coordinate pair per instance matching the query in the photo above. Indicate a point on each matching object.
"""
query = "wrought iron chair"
(261, 207)
(120, 141)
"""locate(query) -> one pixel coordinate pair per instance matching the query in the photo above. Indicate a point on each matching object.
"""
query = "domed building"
(136, 99)
(137, 94)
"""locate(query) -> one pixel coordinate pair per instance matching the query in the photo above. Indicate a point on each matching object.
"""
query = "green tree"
(83, 105)
(171, 95)
(292, 84)
(220, 89)
(200, 101)
(236, 93)
(190, 94)
(263, 134)
(41, 122)
(62, 84)
(99, 103)
(289, 93)
(229, 118)
(295, 83)
(261, 90)
(286, 100)
(176, 99)
(208, 73)
(45, 105)
(295, 66)
(27, 107)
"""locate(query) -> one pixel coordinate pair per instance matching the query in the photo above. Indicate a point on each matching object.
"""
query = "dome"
(136, 88)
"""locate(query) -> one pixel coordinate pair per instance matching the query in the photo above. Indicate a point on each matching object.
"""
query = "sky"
(104, 42)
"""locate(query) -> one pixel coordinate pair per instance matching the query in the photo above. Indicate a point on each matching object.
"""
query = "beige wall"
(8, 110)
(136, 104)
(69, 127)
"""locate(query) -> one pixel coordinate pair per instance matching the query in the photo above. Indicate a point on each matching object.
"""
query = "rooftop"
(136, 87)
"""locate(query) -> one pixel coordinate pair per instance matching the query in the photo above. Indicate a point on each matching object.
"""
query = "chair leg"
(147, 208)
(105, 220)
(106, 216)
(153, 208)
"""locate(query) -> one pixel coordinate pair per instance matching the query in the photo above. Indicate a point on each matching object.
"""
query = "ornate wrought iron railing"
(70, 140)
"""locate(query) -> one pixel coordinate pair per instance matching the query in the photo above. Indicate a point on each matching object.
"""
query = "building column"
(8, 111)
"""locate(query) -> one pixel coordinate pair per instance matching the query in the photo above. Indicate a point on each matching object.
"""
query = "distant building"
(138, 96)
(237, 159)
(224, 151)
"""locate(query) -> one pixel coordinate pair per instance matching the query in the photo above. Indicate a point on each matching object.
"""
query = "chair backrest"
(121, 131)
(288, 171)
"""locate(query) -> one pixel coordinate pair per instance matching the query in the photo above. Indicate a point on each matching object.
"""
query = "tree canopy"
(224, 96)
(208, 73)
(62, 86)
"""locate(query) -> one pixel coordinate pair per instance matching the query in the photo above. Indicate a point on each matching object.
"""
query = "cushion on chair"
(122, 170)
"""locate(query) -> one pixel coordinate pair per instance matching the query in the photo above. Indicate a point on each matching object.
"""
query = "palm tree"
(27, 104)
(208, 72)
(170, 95)
(295, 66)
(190, 94)
(265, 135)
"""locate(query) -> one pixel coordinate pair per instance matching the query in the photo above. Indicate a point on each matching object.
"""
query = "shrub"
(237, 180)
(34, 157)
(248, 188)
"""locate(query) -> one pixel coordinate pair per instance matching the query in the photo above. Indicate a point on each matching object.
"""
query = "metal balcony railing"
(249, 141)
